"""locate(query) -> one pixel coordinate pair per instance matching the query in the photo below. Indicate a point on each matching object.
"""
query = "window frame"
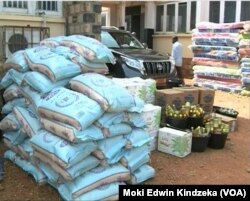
(165, 16)
(222, 10)
(46, 2)
(198, 14)
(15, 10)
(180, 27)
(225, 13)
(161, 16)
(18, 2)
(241, 10)
(32, 10)
(57, 12)
(106, 13)
(188, 16)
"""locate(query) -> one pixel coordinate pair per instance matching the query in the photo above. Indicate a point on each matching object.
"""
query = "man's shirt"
(177, 53)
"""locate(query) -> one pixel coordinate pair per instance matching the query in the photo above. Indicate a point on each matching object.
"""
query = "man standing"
(177, 55)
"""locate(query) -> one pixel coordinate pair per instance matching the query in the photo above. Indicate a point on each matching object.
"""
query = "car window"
(120, 40)
(109, 40)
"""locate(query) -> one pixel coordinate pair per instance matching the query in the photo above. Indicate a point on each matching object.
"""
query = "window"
(47, 5)
(159, 18)
(176, 17)
(214, 11)
(15, 4)
(170, 17)
(193, 16)
(230, 11)
(182, 17)
(105, 16)
(119, 39)
(245, 8)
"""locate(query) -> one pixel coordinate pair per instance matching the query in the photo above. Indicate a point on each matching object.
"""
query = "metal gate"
(14, 38)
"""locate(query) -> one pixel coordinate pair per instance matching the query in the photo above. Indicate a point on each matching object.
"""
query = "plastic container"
(195, 122)
(174, 83)
(199, 144)
(176, 122)
(226, 111)
(217, 141)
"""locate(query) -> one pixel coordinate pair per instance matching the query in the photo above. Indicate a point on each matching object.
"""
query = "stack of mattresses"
(216, 62)
(244, 52)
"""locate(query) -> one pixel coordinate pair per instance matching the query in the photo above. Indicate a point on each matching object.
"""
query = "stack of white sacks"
(69, 125)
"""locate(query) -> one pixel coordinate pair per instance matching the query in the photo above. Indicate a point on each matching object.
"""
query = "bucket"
(195, 122)
(177, 123)
(174, 83)
(199, 144)
(217, 141)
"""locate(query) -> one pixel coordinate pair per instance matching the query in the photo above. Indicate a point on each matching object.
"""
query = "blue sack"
(101, 89)
(70, 107)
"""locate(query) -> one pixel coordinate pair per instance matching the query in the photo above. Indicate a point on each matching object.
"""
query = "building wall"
(114, 12)
(83, 18)
(34, 17)
(163, 43)
(88, 19)
(56, 25)
(160, 42)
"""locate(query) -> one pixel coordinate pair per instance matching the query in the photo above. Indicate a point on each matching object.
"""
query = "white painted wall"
(163, 43)
(150, 13)
(31, 17)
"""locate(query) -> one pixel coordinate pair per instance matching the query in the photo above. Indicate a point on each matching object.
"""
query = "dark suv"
(136, 60)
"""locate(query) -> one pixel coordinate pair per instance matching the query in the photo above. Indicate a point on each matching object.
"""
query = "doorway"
(133, 20)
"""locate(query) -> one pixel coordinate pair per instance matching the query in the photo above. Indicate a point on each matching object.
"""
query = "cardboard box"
(153, 144)
(208, 108)
(169, 96)
(191, 94)
(206, 96)
(174, 142)
(152, 117)
(142, 88)
(232, 122)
